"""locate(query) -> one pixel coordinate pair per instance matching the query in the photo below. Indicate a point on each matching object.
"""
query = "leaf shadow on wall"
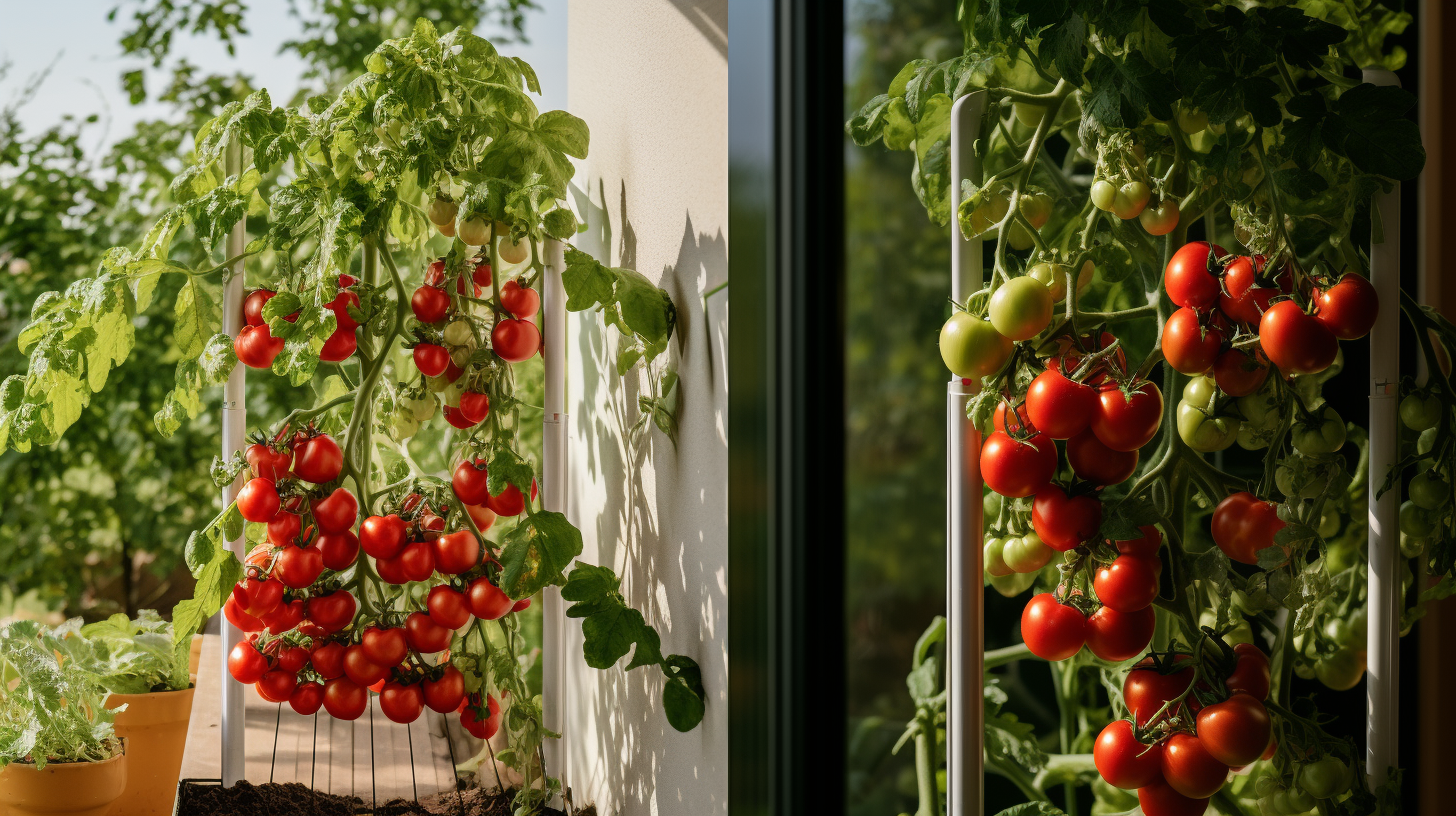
(663, 526)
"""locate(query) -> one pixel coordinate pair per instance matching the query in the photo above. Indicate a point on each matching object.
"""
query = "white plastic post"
(553, 486)
(965, 590)
(1382, 682)
(234, 429)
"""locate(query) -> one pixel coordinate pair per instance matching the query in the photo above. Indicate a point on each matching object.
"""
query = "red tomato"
(1296, 342)
(1052, 630)
(268, 463)
(284, 529)
(1248, 290)
(246, 664)
(277, 686)
(340, 346)
(1239, 373)
(431, 360)
(1243, 525)
(1127, 419)
(339, 549)
(390, 570)
(385, 646)
(332, 611)
(1190, 769)
(474, 407)
(483, 516)
(1020, 421)
(344, 699)
(258, 501)
(469, 482)
(1059, 407)
(417, 561)
(1189, 346)
(1097, 463)
(456, 552)
(402, 703)
(258, 596)
(237, 617)
(340, 305)
(522, 604)
(336, 512)
(457, 418)
(383, 536)
(510, 502)
(446, 693)
(1348, 309)
(1235, 731)
(299, 567)
(515, 341)
(448, 607)
(253, 306)
(317, 459)
(327, 659)
(1123, 761)
(1018, 468)
(1145, 689)
(481, 276)
(307, 698)
(519, 301)
(285, 617)
(1191, 276)
(1117, 636)
(256, 346)
(1064, 522)
(1127, 584)
(430, 304)
(424, 635)
(471, 722)
(1159, 799)
(1251, 672)
(1145, 547)
(360, 669)
(486, 600)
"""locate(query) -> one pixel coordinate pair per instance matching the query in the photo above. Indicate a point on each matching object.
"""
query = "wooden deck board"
(406, 761)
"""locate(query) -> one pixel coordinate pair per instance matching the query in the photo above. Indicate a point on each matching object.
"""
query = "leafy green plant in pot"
(151, 685)
(59, 752)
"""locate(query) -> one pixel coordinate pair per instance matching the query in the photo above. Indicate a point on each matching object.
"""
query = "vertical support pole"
(1382, 685)
(965, 590)
(1382, 682)
(553, 487)
(234, 429)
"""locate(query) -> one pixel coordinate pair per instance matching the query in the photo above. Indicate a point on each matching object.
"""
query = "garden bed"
(208, 798)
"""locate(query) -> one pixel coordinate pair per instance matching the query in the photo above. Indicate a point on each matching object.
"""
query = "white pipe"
(553, 489)
(234, 429)
(965, 590)
(1382, 681)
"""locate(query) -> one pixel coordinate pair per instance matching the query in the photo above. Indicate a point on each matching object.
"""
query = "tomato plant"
(1224, 235)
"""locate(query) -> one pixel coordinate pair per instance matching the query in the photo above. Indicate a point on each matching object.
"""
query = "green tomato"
(402, 425)
(1340, 557)
(994, 563)
(1199, 391)
(1037, 209)
(1205, 433)
(1284, 480)
(971, 347)
(1324, 778)
(990, 504)
(1266, 785)
(1191, 120)
(1412, 546)
(1019, 237)
(1012, 585)
(1420, 412)
(1130, 200)
(1341, 670)
(1298, 801)
(1415, 520)
(422, 408)
(1104, 195)
(474, 231)
(1325, 433)
(1241, 633)
(1329, 524)
(1021, 308)
(1027, 553)
(1429, 491)
(1052, 276)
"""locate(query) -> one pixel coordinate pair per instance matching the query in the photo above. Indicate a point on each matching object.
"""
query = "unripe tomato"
(1064, 522)
(1235, 731)
(1205, 433)
(1117, 636)
(1239, 373)
(1323, 433)
(992, 558)
(1060, 407)
(1294, 341)
(1189, 346)
(1026, 553)
(1324, 777)
(1341, 670)
(1161, 218)
(1123, 761)
(1021, 308)
(971, 347)
(1348, 309)
(1191, 120)
(1130, 200)
(1095, 462)
(1127, 418)
(1421, 412)
(1191, 276)
(1028, 113)
(1052, 630)
(1190, 769)
(1037, 209)
(1428, 490)
(474, 231)
(1104, 194)
(514, 252)
(442, 210)
(1015, 467)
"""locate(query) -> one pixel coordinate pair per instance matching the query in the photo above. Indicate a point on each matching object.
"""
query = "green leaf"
(1065, 46)
(683, 697)
(536, 552)
(1369, 127)
(1037, 808)
(587, 282)
(869, 121)
(198, 318)
(506, 467)
(561, 131)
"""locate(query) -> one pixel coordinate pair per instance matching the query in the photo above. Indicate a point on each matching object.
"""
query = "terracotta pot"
(155, 728)
(194, 656)
(70, 788)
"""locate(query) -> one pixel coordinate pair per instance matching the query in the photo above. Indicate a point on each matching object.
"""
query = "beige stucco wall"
(650, 77)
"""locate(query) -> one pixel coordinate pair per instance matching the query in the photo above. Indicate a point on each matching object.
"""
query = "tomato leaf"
(536, 552)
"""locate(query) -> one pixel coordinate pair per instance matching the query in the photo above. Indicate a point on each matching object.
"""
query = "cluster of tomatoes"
(447, 339)
(1188, 730)
(308, 645)
(256, 347)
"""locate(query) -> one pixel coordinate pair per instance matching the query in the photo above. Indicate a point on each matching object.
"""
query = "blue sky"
(86, 63)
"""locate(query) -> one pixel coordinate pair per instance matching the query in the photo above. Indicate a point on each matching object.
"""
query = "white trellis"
(553, 480)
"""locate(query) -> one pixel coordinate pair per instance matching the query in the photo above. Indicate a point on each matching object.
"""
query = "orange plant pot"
(69, 788)
(155, 728)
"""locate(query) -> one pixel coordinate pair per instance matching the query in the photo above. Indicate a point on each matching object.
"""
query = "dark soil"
(294, 799)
